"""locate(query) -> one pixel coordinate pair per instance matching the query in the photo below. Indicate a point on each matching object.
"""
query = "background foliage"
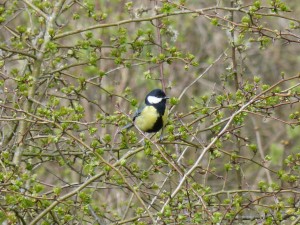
(72, 73)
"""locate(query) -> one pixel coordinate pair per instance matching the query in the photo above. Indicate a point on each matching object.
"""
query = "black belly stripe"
(157, 126)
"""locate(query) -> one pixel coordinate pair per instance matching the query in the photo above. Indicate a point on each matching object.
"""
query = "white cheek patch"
(154, 100)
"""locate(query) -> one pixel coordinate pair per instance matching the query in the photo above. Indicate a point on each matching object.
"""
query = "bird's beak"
(166, 97)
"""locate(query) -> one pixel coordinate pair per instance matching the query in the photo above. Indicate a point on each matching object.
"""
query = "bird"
(152, 116)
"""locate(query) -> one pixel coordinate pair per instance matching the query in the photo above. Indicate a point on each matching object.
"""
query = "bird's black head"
(157, 98)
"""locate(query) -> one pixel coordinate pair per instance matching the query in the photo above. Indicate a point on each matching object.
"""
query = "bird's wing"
(138, 112)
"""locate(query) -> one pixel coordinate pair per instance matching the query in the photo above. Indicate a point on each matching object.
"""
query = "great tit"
(152, 116)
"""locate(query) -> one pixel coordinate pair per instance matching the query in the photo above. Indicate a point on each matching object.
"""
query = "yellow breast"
(146, 120)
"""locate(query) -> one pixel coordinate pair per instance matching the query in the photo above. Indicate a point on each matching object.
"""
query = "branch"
(181, 12)
(18, 52)
(201, 75)
(27, 2)
(92, 179)
(206, 149)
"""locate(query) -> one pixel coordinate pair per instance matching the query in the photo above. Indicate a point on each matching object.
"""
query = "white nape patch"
(154, 100)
